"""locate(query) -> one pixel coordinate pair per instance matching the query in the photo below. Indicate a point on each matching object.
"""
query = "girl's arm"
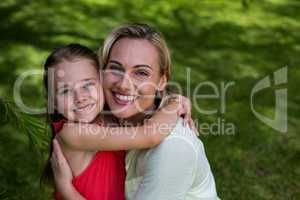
(63, 175)
(94, 137)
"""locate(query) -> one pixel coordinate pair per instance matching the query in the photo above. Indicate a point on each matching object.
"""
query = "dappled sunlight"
(225, 41)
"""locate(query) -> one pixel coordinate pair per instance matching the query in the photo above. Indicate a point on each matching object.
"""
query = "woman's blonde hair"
(137, 31)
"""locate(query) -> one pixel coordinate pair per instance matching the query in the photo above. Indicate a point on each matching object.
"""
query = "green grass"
(220, 41)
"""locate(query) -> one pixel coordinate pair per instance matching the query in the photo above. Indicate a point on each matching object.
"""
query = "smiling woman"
(132, 77)
(136, 65)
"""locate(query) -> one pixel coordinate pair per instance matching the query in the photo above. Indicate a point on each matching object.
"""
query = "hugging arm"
(94, 137)
(64, 184)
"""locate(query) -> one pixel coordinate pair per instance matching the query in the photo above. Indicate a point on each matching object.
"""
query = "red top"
(103, 178)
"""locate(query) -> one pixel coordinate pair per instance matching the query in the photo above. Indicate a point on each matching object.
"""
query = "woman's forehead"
(132, 52)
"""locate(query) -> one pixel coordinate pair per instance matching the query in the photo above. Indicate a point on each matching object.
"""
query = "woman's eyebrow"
(115, 62)
(135, 66)
(142, 65)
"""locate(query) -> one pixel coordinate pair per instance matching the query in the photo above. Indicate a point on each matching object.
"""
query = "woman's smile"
(123, 99)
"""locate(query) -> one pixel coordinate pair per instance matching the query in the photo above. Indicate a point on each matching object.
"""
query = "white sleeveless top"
(176, 169)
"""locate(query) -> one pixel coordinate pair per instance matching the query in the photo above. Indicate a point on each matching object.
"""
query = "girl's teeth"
(83, 108)
(125, 98)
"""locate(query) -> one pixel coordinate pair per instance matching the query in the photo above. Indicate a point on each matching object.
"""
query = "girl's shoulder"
(57, 125)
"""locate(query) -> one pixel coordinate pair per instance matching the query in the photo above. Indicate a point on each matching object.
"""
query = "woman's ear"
(162, 83)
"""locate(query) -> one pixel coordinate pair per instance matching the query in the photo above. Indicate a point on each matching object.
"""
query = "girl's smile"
(79, 94)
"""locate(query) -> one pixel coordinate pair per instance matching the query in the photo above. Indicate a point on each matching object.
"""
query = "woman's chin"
(121, 115)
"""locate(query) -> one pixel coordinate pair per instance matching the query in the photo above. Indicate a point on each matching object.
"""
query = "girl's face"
(132, 77)
(79, 93)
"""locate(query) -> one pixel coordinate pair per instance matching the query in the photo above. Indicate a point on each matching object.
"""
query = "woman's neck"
(139, 118)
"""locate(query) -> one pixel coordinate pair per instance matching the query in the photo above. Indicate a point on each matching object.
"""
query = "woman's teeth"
(125, 97)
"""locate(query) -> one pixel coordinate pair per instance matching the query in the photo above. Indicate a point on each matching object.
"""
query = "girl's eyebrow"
(62, 86)
(135, 66)
(83, 80)
(88, 79)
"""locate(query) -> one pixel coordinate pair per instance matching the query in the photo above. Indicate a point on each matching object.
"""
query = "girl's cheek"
(63, 104)
(95, 89)
(59, 104)
(68, 102)
(96, 92)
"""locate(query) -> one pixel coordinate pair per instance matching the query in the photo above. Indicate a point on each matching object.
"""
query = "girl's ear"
(162, 83)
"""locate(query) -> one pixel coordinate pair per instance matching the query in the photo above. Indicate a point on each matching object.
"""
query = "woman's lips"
(122, 99)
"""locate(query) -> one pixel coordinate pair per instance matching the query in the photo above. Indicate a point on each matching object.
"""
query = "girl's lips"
(85, 109)
(123, 99)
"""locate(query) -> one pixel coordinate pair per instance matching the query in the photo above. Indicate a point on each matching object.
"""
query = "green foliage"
(31, 145)
(219, 40)
(35, 129)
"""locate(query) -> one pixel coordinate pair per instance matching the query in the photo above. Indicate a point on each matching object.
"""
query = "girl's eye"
(64, 91)
(87, 85)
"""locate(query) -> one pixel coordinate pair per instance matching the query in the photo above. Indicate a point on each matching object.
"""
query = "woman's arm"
(94, 137)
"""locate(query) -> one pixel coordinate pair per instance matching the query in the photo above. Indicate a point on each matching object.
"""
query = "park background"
(219, 40)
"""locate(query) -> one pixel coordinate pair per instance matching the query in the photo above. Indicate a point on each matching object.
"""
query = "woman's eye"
(142, 73)
(115, 69)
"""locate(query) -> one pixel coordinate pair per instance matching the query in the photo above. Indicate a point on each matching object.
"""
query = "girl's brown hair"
(70, 52)
(61, 54)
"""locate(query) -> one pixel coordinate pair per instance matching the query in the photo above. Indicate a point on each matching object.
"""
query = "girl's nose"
(80, 96)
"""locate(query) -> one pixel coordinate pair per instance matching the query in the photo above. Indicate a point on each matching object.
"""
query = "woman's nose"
(125, 84)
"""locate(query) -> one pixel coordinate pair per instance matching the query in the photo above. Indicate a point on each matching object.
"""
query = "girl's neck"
(99, 119)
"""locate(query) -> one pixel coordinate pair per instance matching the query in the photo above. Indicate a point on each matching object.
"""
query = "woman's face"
(79, 94)
(132, 77)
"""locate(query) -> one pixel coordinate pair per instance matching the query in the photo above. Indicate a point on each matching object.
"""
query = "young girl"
(73, 83)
